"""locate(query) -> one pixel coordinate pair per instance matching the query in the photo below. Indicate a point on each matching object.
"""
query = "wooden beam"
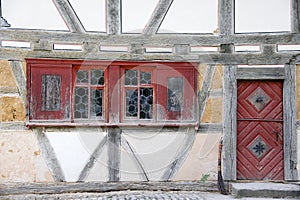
(131, 152)
(260, 73)
(157, 17)
(113, 16)
(226, 17)
(114, 152)
(177, 162)
(205, 90)
(71, 19)
(19, 74)
(49, 155)
(229, 122)
(290, 124)
(156, 40)
(295, 16)
(210, 128)
(97, 187)
(92, 160)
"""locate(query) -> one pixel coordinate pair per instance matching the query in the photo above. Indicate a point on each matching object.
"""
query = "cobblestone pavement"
(130, 195)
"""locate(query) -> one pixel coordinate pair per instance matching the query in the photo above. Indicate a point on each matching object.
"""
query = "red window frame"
(113, 97)
(138, 87)
(90, 87)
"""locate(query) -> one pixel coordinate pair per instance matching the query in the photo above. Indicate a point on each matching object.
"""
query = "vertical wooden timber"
(157, 17)
(19, 75)
(66, 11)
(114, 154)
(229, 122)
(49, 155)
(226, 17)
(113, 17)
(295, 16)
(290, 129)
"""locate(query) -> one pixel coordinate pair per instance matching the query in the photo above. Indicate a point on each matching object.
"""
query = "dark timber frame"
(42, 43)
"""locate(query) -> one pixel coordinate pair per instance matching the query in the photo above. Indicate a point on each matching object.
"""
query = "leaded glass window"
(138, 93)
(89, 93)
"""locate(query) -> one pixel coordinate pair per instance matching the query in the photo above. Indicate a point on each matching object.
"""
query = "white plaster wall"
(73, 149)
(202, 159)
(155, 150)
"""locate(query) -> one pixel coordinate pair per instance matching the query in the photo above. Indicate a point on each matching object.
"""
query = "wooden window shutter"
(50, 92)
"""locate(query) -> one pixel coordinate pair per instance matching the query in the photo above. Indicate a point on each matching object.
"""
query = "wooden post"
(289, 126)
(114, 153)
(229, 122)
(113, 16)
(226, 17)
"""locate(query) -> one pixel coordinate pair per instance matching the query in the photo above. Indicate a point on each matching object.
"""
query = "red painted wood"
(36, 111)
(66, 68)
(189, 94)
(260, 122)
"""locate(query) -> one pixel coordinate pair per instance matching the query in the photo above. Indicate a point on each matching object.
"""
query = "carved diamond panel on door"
(259, 130)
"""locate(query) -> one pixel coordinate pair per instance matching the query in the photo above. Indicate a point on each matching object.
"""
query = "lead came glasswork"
(81, 102)
(97, 77)
(145, 78)
(96, 103)
(51, 86)
(131, 77)
(146, 103)
(82, 76)
(131, 103)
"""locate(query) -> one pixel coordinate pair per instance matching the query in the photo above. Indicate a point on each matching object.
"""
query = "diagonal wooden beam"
(69, 15)
(49, 155)
(157, 17)
(19, 75)
(91, 162)
(205, 90)
(128, 148)
(185, 148)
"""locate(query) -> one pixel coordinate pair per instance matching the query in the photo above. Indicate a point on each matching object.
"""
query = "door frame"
(231, 74)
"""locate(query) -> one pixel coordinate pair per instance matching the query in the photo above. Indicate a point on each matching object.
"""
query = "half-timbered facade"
(150, 104)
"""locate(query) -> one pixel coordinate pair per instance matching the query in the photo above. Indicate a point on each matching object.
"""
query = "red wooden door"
(260, 130)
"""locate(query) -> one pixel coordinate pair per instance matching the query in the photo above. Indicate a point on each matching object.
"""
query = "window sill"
(102, 124)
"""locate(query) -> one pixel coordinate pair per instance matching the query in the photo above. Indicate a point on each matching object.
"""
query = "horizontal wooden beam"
(250, 73)
(157, 39)
(60, 188)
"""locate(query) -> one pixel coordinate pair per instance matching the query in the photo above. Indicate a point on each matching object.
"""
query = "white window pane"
(191, 16)
(32, 14)
(262, 16)
(136, 14)
(91, 14)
